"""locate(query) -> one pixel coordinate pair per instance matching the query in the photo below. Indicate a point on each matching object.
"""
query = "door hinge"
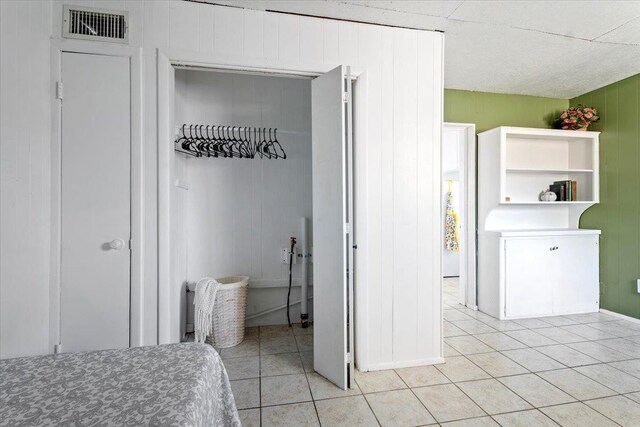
(57, 349)
(59, 90)
(347, 228)
(346, 97)
(349, 358)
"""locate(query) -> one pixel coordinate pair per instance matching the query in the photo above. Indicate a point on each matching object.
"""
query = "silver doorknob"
(116, 244)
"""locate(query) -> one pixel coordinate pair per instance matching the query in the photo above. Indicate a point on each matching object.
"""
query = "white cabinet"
(528, 266)
(577, 288)
(550, 275)
(533, 260)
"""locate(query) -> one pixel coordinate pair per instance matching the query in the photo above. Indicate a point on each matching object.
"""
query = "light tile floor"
(579, 370)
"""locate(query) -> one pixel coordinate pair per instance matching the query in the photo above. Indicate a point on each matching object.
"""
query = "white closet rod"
(284, 132)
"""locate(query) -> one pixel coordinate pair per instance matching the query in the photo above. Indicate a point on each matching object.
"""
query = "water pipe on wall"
(304, 252)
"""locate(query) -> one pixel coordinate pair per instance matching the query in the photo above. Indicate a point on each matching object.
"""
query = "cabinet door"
(529, 277)
(576, 289)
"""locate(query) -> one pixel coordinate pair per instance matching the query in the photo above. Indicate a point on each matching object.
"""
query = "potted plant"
(577, 118)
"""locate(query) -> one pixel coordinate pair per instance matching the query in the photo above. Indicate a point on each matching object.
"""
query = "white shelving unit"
(533, 260)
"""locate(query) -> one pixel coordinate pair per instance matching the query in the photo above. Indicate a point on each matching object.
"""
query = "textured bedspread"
(164, 385)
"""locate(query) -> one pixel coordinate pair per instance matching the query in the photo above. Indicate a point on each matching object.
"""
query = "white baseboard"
(621, 316)
(405, 364)
(266, 284)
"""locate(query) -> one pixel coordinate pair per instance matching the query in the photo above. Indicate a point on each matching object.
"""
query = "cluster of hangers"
(229, 141)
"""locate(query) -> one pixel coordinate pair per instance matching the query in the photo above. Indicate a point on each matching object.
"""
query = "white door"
(577, 288)
(530, 276)
(95, 202)
(332, 226)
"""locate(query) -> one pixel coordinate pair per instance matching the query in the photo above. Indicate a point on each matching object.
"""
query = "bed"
(169, 385)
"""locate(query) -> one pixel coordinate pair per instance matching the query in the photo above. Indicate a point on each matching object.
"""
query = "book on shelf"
(559, 189)
(566, 191)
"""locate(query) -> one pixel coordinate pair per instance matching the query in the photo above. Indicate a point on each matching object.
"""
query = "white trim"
(269, 283)
(405, 364)
(277, 283)
(274, 309)
(137, 200)
(470, 243)
(180, 58)
(620, 316)
(164, 100)
(361, 350)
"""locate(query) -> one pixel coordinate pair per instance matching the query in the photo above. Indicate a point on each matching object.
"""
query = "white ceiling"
(548, 48)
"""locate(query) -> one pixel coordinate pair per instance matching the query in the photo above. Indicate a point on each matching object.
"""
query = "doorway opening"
(459, 215)
(236, 216)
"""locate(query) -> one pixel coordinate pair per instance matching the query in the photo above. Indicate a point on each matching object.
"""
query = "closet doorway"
(459, 214)
(222, 216)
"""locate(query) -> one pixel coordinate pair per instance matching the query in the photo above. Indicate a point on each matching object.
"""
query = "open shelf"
(550, 171)
(515, 165)
(577, 202)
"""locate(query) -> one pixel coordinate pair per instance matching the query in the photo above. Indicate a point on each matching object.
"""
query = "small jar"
(548, 196)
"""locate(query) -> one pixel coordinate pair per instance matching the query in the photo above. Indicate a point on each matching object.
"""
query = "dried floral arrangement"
(577, 118)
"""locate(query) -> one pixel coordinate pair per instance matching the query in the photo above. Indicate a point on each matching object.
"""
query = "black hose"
(293, 243)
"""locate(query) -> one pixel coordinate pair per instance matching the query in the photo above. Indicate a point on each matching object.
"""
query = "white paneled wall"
(398, 320)
(238, 213)
(24, 177)
(397, 153)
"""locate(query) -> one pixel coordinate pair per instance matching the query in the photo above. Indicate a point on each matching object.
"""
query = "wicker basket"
(228, 312)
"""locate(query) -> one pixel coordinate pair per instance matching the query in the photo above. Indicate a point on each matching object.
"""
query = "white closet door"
(332, 225)
(95, 202)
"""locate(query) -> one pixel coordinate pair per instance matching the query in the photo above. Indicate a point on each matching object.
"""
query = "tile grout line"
(260, 375)
(306, 376)
(534, 407)
(414, 393)
(598, 341)
(462, 391)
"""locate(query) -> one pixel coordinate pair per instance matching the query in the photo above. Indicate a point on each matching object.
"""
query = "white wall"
(398, 310)
(240, 212)
(24, 177)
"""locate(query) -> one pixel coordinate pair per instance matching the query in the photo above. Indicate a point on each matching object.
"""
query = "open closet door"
(166, 131)
(332, 226)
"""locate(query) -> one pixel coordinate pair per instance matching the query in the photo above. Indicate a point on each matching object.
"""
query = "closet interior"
(242, 170)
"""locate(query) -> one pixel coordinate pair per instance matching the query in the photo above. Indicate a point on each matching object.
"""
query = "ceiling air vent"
(95, 24)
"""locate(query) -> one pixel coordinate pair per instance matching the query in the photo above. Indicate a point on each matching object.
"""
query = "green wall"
(618, 214)
(490, 110)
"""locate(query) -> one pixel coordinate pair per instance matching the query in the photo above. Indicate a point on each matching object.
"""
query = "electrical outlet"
(284, 255)
(638, 285)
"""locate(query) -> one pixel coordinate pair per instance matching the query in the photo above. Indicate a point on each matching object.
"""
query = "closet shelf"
(575, 202)
(542, 171)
